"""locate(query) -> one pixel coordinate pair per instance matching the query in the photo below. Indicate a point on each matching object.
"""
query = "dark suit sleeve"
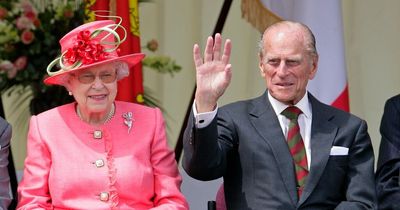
(5, 136)
(360, 186)
(206, 149)
(387, 174)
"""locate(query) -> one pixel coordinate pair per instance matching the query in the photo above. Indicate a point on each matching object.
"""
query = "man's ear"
(261, 65)
(314, 67)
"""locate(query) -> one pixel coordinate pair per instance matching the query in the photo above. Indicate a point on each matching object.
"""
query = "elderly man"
(284, 149)
(5, 136)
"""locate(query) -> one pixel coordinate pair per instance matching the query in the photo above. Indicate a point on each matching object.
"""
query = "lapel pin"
(128, 119)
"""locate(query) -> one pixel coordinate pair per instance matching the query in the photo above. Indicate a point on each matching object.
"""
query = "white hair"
(122, 70)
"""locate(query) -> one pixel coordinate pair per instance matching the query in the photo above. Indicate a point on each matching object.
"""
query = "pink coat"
(68, 168)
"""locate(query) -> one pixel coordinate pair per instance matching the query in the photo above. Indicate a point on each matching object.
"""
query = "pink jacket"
(67, 167)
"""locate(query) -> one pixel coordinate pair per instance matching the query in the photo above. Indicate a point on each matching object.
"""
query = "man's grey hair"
(309, 37)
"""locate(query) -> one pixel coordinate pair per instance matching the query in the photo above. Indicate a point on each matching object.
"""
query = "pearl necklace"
(108, 118)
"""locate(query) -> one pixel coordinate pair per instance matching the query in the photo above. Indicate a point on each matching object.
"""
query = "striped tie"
(296, 147)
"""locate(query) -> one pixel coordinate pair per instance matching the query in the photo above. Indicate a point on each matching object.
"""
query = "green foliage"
(162, 64)
(29, 41)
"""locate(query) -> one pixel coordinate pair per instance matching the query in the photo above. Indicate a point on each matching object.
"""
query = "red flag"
(131, 87)
(99, 5)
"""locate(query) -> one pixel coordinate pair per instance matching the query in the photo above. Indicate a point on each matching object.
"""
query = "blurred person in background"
(388, 169)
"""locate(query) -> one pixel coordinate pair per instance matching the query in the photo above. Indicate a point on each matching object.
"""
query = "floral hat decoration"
(89, 45)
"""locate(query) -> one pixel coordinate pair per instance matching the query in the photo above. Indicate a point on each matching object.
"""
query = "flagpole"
(217, 29)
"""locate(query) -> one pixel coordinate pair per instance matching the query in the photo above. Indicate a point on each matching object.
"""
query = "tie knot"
(292, 112)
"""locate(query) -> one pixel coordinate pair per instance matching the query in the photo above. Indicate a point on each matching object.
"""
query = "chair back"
(211, 205)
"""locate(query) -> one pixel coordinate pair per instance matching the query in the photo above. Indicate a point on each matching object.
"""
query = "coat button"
(104, 196)
(97, 134)
(99, 163)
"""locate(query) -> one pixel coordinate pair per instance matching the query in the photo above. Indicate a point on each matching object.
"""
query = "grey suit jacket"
(246, 146)
(5, 136)
(388, 170)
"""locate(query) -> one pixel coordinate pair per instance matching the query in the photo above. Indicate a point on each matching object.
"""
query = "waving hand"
(213, 72)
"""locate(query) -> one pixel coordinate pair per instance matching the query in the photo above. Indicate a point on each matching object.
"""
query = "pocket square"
(338, 150)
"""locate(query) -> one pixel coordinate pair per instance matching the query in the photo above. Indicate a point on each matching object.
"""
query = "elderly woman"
(98, 153)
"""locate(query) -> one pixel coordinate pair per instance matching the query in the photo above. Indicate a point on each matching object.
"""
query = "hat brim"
(61, 77)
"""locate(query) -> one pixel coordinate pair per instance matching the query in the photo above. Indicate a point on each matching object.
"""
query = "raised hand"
(213, 73)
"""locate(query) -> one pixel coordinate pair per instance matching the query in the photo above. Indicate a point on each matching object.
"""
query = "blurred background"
(371, 51)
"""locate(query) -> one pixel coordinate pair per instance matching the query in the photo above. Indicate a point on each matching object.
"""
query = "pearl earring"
(70, 93)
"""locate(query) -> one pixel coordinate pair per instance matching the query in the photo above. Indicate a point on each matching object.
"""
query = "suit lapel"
(323, 133)
(265, 121)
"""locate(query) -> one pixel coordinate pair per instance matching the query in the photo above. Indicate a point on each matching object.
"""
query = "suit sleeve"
(388, 170)
(206, 149)
(360, 187)
(5, 136)
(166, 176)
(33, 190)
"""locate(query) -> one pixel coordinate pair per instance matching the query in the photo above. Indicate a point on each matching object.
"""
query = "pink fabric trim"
(112, 171)
(220, 198)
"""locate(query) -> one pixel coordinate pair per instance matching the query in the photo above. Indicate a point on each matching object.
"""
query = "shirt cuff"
(203, 119)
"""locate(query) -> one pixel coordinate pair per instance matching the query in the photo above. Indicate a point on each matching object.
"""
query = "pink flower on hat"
(85, 50)
(27, 36)
(89, 45)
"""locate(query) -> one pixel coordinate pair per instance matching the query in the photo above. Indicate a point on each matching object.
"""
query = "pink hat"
(86, 46)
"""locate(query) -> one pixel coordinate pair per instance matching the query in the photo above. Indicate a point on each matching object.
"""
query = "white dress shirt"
(305, 119)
